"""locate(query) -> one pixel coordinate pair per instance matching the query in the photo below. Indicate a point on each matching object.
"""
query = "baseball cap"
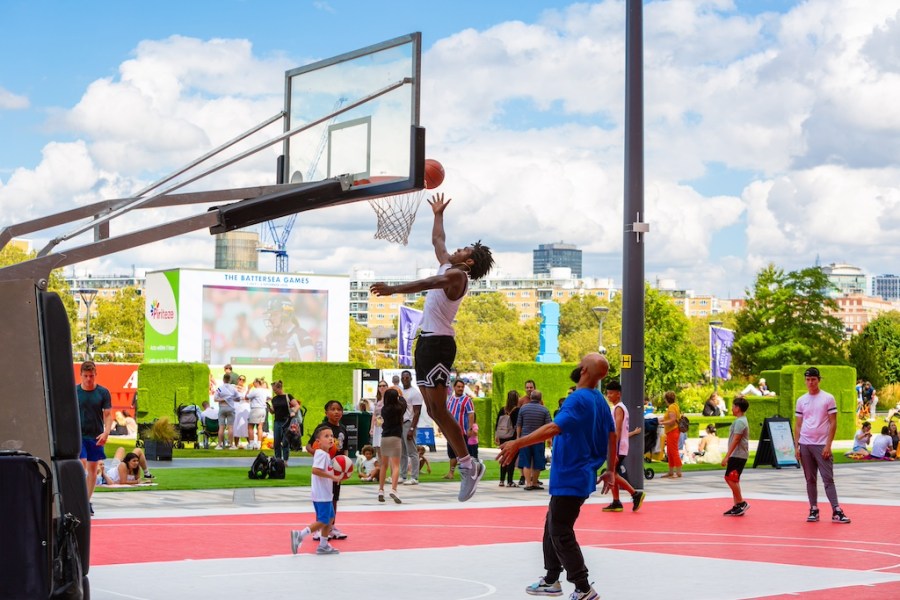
(812, 372)
(614, 386)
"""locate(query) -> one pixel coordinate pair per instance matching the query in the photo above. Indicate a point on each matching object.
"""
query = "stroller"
(651, 436)
(188, 423)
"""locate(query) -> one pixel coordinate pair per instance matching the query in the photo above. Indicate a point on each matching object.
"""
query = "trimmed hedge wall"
(163, 387)
(315, 383)
(839, 381)
(552, 380)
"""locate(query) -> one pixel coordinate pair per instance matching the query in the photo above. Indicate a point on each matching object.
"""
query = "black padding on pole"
(73, 492)
(65, 421)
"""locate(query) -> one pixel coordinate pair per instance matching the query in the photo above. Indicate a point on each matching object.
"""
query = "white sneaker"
(297, 538)
(219, 447)
(469, 478)
(411, 482)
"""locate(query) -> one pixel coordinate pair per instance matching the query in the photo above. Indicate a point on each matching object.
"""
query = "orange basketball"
(434, 173)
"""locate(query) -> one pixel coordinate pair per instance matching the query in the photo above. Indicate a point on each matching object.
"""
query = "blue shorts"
(324, 512)
(91, 451)
(532, 457)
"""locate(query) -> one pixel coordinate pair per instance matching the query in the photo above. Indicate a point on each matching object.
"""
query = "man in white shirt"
(816, 424)
(409, 458)
(228, 397)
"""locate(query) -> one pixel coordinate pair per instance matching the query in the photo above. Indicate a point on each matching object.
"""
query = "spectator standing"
(670, 424)
(816, 424)
(228, 399)
(391, 441)
(532, 459)
(283, 407)
(375, 428)
(504, 431)
(259, 398)
(95, 412)
(462, 409)
(409, 458)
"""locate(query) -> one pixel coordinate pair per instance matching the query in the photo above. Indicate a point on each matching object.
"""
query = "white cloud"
(527, 119)
(10, 101)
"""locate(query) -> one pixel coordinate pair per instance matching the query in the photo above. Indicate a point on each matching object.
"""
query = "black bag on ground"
(276, 468)
(260, 467)
(68, 573)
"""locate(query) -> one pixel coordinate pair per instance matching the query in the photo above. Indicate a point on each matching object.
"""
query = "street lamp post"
(715, 355)
(600, 313)
(87, 296)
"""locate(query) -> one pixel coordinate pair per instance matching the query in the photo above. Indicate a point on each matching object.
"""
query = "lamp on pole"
(87, 296)
(714, 353)
(600, 313)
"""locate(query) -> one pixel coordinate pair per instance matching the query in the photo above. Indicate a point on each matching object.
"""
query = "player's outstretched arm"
(438, 236)
(448, 280)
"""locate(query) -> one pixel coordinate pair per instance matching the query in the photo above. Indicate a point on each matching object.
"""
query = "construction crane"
(279, 232)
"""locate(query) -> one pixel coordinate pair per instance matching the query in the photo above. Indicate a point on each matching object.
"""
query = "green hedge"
(315, 383)
(552, 380)
(839, 381)
(163, 387)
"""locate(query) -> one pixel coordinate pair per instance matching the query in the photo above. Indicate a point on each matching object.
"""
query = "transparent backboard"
(360, 114)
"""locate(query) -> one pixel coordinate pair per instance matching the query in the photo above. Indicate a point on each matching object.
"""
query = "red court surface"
(773, 531)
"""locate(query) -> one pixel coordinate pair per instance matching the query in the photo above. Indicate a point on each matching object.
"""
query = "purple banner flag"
(720, 340)
(409, 323)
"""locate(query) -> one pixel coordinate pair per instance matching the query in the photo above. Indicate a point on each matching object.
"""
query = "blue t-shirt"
(580, 449)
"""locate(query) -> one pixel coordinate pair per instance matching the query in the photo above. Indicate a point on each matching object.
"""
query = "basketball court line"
(771, 552)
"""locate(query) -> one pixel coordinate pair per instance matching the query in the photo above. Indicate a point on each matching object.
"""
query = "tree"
(670, 359)
(699, 333)
(359, 343)
(787, 320)
(118, 325)
(875, 352)
(11, 255)
(488, 331)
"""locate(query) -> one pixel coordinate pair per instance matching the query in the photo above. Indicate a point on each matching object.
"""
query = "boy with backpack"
(736, 457)
(322, 486)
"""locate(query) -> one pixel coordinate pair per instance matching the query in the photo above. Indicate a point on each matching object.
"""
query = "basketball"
(434, 173)
(342, 466)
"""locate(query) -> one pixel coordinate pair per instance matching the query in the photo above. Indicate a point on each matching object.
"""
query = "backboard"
(360, 114)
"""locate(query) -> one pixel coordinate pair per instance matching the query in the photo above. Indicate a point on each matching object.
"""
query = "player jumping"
(436, 345)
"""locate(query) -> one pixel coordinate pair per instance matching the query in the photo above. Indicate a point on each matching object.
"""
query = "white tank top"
(623, 441)
(440, 310)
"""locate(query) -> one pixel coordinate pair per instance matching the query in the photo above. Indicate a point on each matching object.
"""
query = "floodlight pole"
(87, 296)
(600, 313)
(632, 374)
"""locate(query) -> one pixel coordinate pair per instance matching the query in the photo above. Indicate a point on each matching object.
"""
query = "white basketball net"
(396, 215)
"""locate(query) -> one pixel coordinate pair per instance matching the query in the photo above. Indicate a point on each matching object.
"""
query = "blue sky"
(768, 123)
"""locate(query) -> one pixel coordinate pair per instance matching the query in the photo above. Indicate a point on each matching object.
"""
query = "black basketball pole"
(635, 230)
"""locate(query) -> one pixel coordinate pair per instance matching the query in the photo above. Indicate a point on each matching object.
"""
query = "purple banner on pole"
(409, 323)
(720, 340)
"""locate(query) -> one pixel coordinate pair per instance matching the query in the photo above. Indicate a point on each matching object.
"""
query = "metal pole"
(600, 313)
(633, 251)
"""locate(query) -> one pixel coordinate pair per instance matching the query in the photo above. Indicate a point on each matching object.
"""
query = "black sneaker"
(637, 499)
(839, 517)
(614, 506)
(521, 481)
(91, 508)
(731, 512)
(148, 475)
(740, 509)
(813, 515)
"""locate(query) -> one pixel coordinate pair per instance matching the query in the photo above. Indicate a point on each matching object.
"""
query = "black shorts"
(434, 356)
(734, 468)
(620, 465)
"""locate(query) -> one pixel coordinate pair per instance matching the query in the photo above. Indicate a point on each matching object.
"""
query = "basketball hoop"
(396, 215)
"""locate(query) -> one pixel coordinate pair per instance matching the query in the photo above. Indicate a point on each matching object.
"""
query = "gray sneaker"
(469, 479)
(327, 549)
(296, 540)
(542, 588)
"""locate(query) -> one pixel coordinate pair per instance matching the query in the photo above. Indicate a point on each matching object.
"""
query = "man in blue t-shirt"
(584, 437)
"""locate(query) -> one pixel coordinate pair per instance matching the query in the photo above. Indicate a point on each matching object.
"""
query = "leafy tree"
(699, 334)
(670, 359)
(876, 350)
(488, 331)
(11, 255)
(359, 342)
(786, 321)
(118, 325)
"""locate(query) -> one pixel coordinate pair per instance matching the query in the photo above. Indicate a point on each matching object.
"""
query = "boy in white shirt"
(322, 493)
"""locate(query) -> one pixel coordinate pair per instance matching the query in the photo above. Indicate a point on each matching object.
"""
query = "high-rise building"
(886, 287)
(238, 250)
(847, 279)
(549, 256)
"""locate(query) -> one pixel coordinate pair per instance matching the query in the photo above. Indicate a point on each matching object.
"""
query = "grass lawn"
(236, 477)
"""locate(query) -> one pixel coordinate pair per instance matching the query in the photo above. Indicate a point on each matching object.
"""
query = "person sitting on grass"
(883, 446)
(367, 464)
(861, 442)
